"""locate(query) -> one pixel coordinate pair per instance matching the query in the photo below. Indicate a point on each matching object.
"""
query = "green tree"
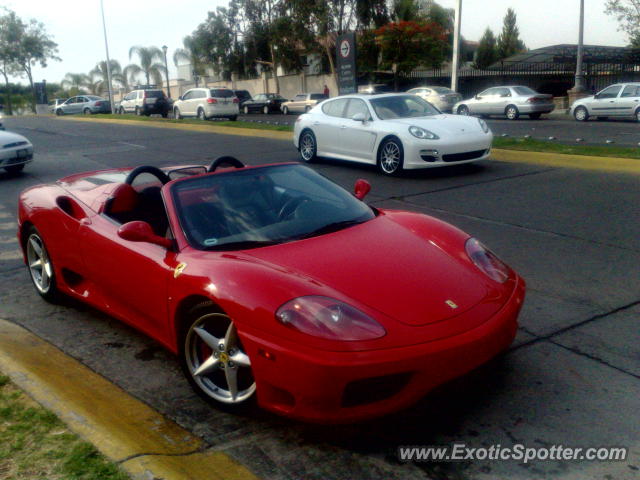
(31, 45)
(487, 52)
(100, 76)
(151, 63)
(407, 45)
(627, 13)
(10, 31)
(509, 42)
(75, 83)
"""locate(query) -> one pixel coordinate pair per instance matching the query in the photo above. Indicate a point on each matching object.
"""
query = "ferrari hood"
(387, 267)
(444, 124)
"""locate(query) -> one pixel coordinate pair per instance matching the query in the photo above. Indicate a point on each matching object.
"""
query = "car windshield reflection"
(402, 106)
(263, 206)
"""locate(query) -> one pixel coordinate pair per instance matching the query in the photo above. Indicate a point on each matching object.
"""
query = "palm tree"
(75, 81)
(151, 63)
(100, 77)
(189, 55)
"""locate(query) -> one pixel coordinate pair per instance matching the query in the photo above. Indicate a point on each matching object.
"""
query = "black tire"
(391, 156)
(534, 116)
(581, 114)
(463, 110)
(121, 111)
(233, 118)
(511, 112)
(266, 110)
(47, 290)
(176, 113)
(246, 110)
(13, 169)
(201, 114)
(285, 111)
(165, 114)
(308, 146)
(213, 385)
(138, 112)
(637, 115)
(87, 111)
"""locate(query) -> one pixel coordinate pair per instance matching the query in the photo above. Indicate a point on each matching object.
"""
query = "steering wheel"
(225, 160)
(155, 171)
(290, 206)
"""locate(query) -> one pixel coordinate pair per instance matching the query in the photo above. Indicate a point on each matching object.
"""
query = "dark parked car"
(264, 102)
(243, 96)
(146, 101)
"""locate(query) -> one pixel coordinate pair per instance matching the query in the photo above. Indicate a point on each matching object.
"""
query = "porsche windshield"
(263, 206)
(402, 106)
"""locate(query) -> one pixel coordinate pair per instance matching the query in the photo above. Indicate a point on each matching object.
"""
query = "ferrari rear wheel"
(215, 362)
(40, 266)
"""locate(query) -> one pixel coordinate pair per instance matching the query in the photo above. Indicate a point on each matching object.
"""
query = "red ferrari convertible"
(273, 285)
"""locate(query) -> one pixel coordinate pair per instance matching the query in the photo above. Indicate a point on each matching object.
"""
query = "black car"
(243, 96)
(264, 102)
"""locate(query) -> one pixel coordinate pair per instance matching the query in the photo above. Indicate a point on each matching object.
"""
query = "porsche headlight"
(487, 261)
(483, 125)
(422, 133)
(328, 318)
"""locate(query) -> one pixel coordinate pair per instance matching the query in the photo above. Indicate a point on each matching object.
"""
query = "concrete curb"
(142, 441)
(581, 162)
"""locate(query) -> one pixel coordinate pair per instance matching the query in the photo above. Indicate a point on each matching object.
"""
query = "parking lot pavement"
(571, 378)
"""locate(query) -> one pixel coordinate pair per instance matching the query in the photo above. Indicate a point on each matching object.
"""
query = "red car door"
(131, 277)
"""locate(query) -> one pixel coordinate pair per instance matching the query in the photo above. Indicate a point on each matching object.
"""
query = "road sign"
(346, 63)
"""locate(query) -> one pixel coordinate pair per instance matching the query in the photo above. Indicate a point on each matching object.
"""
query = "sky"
(76, 26)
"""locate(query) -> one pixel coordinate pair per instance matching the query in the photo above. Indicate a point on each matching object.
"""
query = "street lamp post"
(456, 46)
(579, 86)
(106, 47)
(166, 69)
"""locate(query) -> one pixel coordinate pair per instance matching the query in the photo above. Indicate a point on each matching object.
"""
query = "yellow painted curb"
(583, 162)
(245, 132)
(120, 426)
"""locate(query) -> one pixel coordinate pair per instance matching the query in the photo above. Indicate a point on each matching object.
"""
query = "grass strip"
(195, 121)
(35, 444)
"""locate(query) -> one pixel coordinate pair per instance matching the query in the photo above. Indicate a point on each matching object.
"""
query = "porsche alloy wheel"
(40, 266)
(308, 146)
(215, 362)
(391, 157)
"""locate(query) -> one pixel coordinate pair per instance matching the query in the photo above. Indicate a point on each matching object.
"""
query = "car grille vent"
(457, 157)
(14, 144)
(370, 390)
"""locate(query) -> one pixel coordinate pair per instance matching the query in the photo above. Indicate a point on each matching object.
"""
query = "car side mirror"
(180, 97)
(361, 188)
(359, 117)
(596, 96)
(478, 97)
(138, 231)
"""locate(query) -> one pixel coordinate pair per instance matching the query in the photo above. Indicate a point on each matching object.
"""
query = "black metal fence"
(554, 79)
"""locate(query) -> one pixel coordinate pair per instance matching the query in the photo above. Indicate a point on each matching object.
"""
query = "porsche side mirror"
(138, 231)
(361, 188)
(359, 117)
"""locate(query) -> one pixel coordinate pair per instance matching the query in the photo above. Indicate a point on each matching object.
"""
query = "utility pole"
(456, 47)
(106, 47)
(579, 86)
(166, 69)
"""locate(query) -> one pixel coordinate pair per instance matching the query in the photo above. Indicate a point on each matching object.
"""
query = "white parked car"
(393, 131)
(619, 100)
(15, 152)
(206, 103)
(442, 98)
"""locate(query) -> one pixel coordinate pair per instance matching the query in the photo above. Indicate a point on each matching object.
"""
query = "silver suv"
(206, 103)
(619, 100)
(145, 101)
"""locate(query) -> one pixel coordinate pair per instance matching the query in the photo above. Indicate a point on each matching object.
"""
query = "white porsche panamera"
(394, 131)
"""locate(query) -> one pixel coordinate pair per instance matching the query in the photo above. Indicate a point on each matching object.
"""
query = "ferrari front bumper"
(342, 387)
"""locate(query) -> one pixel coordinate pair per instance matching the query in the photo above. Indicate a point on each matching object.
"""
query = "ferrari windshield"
(402, 106)
(257, 207)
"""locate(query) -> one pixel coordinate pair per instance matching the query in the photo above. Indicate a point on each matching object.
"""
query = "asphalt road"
(562, 127)
(572, 377)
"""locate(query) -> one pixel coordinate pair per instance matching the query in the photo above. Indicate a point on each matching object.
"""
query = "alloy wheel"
(40, 266)
(216, 360)
(390, 157)
(307, 147)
